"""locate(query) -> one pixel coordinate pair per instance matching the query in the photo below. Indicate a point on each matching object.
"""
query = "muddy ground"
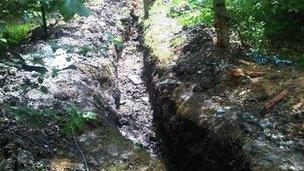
(114, 92)
(86, 76)
(217, 118)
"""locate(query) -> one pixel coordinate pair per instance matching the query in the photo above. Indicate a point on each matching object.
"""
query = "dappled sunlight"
(116, 85)
(60, 164)
(158, 38)
(231, 94)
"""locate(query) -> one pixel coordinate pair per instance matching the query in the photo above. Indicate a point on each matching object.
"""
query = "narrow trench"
(135, 114)
(149, 119)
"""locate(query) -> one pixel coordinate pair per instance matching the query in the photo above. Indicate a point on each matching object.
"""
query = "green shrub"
(14, 33)
(11, 34)
(70, 120)
(192, 12)
(263, 24)
(15, 16)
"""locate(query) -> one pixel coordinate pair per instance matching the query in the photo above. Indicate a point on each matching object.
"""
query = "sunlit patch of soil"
(60, 164)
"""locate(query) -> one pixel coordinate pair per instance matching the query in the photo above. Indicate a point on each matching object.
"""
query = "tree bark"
(221, 21)
(146, 8)
(44, 20)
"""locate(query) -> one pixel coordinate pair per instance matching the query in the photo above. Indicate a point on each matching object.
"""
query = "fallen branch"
(275, 100)
(254, 74)
(81, 152)
(238, 73)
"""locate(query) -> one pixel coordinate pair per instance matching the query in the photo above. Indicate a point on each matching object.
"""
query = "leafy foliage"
(70, 120)
(74, 119)
(13, 33)
(16, 14)
(259, 23)
(16, 9)
(192, 12)
(263, 21)
(68, 8)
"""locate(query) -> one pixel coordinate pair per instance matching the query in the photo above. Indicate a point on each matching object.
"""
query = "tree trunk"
(146, 8)
(44, 20)
(221, 21)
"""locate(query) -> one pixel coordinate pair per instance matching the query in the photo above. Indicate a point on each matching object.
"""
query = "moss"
(138, 158)
(115, 152)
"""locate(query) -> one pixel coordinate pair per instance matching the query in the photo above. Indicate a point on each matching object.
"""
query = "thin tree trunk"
(146, 8)
(44, 20)
(221, 21)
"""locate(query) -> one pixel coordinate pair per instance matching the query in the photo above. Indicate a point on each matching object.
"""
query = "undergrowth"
(269, 26)
(12, 34)
(70, 120)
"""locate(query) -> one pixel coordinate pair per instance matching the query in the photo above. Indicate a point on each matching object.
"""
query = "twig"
(81, 152)
(276, 99)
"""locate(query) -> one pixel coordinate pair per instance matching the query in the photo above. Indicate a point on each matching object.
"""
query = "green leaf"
(38, 60)
(68, 8)
(3, 40)
(83, 11)
(18, 117)
(40, 79)
(55, 72)
(44, 90)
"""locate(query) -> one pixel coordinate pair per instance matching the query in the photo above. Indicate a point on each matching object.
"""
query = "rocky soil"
(48, 84)
(135, 111)
(214, 118)
(106, 93)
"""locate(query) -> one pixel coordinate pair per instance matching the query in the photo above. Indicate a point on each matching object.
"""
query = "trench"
(148, 117)
(135, 113)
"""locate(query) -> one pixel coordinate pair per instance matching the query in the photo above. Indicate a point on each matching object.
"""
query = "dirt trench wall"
(188, 145)
(211, 120)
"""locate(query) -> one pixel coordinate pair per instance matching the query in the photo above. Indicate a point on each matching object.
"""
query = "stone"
(61, 95)
(135, 79)
(220, 111)
(145, 99)
(201, 88)
(265, 123)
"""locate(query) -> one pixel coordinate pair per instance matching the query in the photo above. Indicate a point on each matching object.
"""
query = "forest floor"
(107, 93)
(77, 101)
(242, 106)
